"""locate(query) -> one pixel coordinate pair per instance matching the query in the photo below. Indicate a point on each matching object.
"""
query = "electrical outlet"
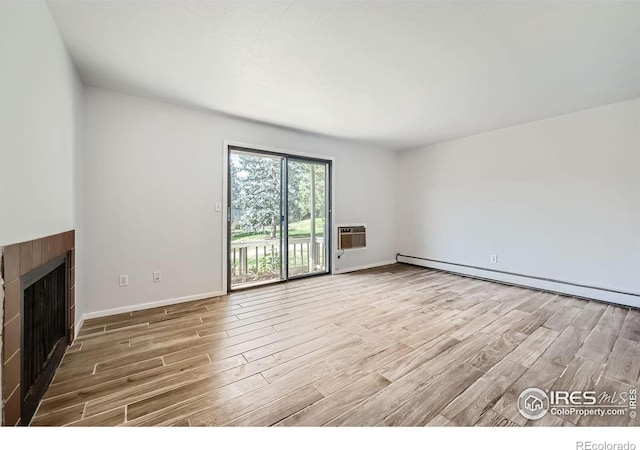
(124, 280)
(493, 258)
(157, 277)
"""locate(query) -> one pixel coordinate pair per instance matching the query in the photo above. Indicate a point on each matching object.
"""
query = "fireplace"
(45, 330)
(26, 268)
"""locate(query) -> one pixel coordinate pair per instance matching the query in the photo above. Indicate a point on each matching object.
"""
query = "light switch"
(218, 206)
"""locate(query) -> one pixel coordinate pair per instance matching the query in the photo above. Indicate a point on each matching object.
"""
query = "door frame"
(226, 202)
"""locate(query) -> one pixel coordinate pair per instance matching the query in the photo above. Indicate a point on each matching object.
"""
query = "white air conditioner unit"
(352, 237)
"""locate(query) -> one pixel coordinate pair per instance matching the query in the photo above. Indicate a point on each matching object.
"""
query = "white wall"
(39, 88)
(152, 174)
(557, 198)
(78, 200)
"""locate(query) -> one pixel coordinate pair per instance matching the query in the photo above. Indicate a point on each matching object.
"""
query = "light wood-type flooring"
(396, 346)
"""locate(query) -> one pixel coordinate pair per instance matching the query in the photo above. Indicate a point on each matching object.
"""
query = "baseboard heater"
(608, 295)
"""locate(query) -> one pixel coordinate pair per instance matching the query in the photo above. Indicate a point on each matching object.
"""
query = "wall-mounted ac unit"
(352, 237)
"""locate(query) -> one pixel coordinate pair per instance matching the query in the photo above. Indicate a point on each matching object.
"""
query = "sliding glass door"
(278, 217)
(255, 218)
(307, 217)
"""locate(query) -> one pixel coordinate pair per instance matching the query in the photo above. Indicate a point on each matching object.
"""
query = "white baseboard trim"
(149, 305)
(367, 266)
(525, 281)
(77, 326)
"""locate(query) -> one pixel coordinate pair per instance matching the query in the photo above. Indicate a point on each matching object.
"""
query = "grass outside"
(299, 229)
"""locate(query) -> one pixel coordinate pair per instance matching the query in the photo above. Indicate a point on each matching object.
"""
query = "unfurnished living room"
(320, 213)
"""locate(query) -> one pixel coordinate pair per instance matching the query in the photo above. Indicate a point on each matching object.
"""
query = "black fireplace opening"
(45, 329)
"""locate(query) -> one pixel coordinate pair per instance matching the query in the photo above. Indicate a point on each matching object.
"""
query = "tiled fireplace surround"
(18, 260)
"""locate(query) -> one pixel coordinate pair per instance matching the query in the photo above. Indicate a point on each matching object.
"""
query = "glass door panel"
(307, 212)
(256, 213)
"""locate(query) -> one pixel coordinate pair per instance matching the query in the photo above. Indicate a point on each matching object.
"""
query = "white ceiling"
(398, 74)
